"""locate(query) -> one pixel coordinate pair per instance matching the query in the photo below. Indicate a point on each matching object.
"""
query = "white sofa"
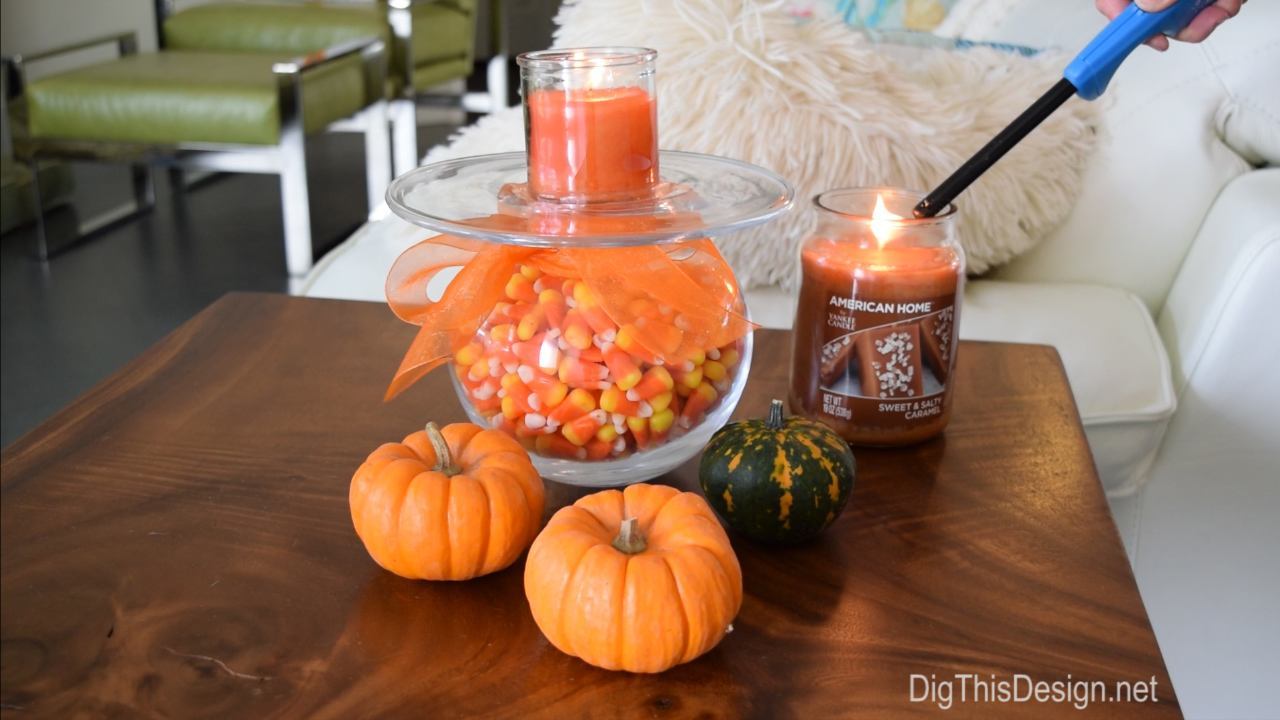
(1160, 292)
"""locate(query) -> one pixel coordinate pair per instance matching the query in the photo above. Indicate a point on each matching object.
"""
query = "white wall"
(28, 26)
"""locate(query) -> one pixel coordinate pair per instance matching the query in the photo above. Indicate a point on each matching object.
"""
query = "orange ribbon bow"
(674, 299)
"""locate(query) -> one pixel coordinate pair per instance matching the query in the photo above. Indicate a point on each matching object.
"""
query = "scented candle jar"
(876, 325)
(591, 120)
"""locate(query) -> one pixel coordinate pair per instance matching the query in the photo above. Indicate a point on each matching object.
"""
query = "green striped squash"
(778, 480)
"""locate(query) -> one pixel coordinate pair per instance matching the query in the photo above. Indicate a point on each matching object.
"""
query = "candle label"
(884, 363)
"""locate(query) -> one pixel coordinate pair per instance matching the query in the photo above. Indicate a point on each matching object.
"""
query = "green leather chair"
(16, 194)
(239, 112)
(16, 206)
(431, 41)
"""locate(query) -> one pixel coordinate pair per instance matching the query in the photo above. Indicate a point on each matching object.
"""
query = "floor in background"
(68, 324)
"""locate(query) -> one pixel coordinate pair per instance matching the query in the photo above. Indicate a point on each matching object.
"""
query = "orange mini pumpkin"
(641, 579)
(447, 504)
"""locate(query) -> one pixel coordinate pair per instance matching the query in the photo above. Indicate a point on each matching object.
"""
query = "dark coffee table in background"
(178, 543)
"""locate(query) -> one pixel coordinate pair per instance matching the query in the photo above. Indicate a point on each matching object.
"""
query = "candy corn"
(628, 339)
(656, 380)
(659, 334)
(520, 289)
(581, 430)
(591, 311)
(608, 434)
(469, 354)
(554, 369)
(639, 428)
(599, 449)
(614, 400)
(547, 388)
(626, 374)
(551, 301)
(660, 424)
(558, 446)
(698, 403)
(532, 323)
(577, 332)
(714, 370)
(582, 374)
(540, 352)
(687, 379)
(661, 401)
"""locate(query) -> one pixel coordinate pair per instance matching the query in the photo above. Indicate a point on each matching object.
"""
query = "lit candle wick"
(883, 222)
(599, 76)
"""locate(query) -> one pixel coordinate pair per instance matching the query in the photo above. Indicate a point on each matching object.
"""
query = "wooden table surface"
(177, 543)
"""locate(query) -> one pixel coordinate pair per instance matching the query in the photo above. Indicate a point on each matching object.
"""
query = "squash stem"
(629, 539)
(774, 421)
(444, 458)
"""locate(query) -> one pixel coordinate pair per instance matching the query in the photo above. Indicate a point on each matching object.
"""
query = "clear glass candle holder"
(591, 123)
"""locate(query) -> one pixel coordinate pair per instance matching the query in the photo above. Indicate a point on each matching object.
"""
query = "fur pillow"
(824, 106)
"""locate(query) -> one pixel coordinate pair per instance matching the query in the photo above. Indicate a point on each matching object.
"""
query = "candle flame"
(882, 222)
(600, 75)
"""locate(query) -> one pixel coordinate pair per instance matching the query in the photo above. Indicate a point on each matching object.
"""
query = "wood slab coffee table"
(177, 543)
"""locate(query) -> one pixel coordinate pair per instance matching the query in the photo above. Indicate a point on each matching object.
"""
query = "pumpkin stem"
(444, 458)
(629, 539)
(774, 420)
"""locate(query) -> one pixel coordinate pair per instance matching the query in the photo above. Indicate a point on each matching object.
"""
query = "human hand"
(1195, 31)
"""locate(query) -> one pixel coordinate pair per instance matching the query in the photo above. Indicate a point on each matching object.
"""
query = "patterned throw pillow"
(914, 23)
(919, 15)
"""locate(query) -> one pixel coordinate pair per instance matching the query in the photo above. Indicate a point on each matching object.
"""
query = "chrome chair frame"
(287, 158)
(404, 109)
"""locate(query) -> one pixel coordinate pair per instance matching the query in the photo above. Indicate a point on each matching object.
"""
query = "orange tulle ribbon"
(702, 304)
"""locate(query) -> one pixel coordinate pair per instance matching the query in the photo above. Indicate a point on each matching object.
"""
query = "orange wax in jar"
(875, 329)
(592, 143)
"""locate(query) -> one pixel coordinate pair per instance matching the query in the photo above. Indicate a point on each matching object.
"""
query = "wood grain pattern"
(177, 543)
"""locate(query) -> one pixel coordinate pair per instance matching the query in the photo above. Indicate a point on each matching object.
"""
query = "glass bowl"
(605, 382)
(568, 428)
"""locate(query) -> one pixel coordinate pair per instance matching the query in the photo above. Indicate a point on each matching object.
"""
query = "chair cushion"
(281, 28)
(177, 97)
(17, 205)
(443, 33)
(1113, 355)
(442, 71)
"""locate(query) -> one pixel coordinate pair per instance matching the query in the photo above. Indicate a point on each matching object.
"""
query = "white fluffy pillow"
(825, 107)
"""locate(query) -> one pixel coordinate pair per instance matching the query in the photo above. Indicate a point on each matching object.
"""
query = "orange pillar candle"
(875, 330)
(591, 123)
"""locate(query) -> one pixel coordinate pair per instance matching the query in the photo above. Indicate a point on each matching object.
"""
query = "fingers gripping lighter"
(1086, 76)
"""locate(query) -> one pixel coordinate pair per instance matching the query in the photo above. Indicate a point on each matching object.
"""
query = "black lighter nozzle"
(941, 197)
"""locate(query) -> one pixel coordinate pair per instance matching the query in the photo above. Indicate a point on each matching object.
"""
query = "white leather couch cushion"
(1207, 526)
(357, 269)
(1174, 124)
(1114, 358)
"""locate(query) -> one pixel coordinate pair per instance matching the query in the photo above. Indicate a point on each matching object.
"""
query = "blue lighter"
(1086, 76)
